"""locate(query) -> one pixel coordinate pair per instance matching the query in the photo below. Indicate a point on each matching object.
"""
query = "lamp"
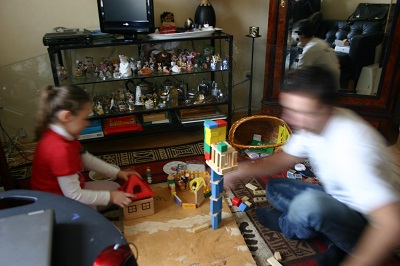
(253, 33)
(205, 14)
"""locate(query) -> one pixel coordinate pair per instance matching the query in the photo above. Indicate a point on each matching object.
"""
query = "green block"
(207, 148)
(222, 147)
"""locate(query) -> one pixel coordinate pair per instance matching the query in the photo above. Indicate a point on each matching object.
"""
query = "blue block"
(219, 217)
(221, 186)
(214, 176)
(210, 124)
(215, 190)
(242, 207)
(215, 206)
(214, 222)
(178, 200)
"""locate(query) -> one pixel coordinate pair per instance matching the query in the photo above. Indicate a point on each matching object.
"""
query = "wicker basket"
(242, 132)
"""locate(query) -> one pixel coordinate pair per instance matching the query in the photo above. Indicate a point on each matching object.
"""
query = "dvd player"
(73, 37)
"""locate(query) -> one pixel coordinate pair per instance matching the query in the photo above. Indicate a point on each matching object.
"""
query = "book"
(93, 127)
(152, 117)
(94, 135)
(200, 114)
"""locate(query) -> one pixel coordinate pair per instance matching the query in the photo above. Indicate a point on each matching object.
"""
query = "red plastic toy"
(137, 186)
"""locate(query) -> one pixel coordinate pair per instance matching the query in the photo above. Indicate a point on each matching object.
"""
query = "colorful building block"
(236, 201)
(242, 207)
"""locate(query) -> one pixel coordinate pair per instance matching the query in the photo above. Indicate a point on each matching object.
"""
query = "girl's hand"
(121, 198)
(124, 175)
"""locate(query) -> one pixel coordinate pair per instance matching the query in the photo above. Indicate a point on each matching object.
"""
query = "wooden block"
(273, 262)
(236, 201)
(250, 186)
(229, 201)
(200, 228)
(259, 192)
(277, 256)
(248, 203)
(188, 206)
(139, 208)
(245, 198)
(260, 199)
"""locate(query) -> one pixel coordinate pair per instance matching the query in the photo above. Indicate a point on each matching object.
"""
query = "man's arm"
(379, 239)
(270, 165)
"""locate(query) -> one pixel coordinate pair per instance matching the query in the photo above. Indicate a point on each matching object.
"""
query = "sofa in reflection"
(365, 40)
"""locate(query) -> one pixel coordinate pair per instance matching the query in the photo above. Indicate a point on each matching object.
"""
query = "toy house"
(143, 204)
(189, 188)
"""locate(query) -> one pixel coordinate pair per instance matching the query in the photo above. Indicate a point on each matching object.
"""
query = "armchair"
(364, 37)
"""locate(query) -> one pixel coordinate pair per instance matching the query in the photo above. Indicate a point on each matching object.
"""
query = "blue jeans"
(308, 211)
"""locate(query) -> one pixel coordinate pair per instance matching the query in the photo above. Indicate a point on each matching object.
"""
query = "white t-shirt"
(351, 160)
(317, 52)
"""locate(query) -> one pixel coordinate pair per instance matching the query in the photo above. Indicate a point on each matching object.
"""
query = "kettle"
(203, 88)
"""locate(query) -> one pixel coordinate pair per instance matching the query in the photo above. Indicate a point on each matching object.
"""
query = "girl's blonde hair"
(53, 99)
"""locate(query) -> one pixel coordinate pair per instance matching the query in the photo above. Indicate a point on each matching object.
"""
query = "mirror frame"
(378, 110)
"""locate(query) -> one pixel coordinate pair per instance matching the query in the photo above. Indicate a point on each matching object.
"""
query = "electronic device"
(70, 37)
(27, 239)
(126, 17)
(118, 255)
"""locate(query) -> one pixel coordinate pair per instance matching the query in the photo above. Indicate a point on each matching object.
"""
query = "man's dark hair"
(313, 81)
(304, 27)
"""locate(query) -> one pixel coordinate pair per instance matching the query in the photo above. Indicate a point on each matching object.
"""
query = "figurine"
(124, 67)
(132, 64)
(138, 96)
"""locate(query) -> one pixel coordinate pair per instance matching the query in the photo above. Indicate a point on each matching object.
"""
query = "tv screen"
(126, 17)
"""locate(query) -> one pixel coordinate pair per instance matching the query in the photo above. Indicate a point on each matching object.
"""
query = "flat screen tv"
(126, 17)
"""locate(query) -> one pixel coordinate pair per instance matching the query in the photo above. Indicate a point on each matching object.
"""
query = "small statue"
(124, 67)
(138, 96)
(99, 109)
(132, 64)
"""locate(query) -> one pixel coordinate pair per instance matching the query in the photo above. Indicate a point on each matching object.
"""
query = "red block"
(207, 156)
(236, 201)
(221, 123)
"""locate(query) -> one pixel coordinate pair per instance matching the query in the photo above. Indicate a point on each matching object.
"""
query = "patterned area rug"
(132, 157)
(263, 242)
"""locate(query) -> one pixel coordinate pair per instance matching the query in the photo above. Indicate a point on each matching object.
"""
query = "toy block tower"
(221, 158)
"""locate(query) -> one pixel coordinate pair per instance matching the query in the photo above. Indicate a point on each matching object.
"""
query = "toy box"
(121, 124)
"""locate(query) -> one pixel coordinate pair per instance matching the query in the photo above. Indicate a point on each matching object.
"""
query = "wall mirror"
(361, 56)
(372, 91)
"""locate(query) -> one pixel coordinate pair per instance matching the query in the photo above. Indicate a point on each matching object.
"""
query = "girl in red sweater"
(59, 157)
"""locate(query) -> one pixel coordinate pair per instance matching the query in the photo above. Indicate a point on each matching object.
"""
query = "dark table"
(80, 232)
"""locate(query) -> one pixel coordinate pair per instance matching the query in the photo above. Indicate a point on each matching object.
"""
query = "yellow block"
(188, 206)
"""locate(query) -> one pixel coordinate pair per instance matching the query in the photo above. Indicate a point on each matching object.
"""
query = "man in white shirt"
(315, 51)
(357, 208)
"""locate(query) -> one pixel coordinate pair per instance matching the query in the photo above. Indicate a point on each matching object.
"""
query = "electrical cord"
(10, 145)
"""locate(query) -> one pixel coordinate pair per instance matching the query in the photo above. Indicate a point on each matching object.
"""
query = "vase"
(205, 14)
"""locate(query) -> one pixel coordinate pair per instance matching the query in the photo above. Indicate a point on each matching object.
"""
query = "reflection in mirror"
(21, 83)
(354, 46)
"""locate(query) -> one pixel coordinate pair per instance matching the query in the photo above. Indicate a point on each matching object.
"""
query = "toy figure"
(132, 64)
(124, 67)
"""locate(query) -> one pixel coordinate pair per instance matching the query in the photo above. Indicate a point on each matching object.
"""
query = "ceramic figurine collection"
(145, 94)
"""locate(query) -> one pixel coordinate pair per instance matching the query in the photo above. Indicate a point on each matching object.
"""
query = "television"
(126, 17)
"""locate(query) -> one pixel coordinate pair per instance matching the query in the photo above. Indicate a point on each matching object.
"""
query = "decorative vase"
(205, 14)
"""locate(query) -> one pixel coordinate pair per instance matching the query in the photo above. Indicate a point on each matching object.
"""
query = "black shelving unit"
(222, 43)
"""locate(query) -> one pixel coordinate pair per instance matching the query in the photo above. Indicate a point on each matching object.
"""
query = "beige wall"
(24, 66)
